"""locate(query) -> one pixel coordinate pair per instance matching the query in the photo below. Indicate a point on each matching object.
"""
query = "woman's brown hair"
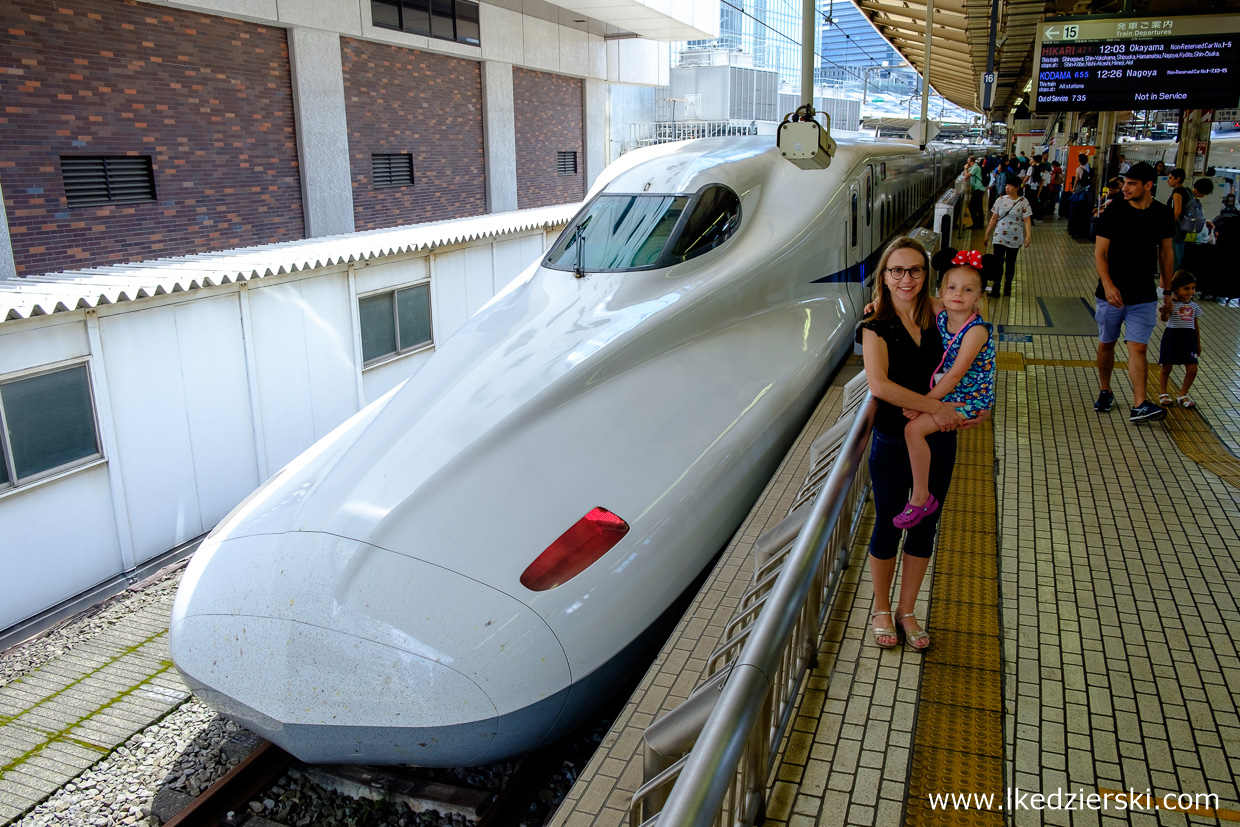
(884, 309)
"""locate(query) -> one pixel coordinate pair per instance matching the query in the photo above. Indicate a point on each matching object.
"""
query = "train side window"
(869, 200)
(853, 221)
(714, 218)
(395, 322)
(50, 424)
(882, 167)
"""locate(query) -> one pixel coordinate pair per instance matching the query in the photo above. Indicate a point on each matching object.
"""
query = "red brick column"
(428, 105)
(547, 113)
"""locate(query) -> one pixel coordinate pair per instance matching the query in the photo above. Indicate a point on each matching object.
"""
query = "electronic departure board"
(1117, 63)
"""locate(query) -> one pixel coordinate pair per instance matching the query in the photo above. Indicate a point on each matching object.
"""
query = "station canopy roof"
(961, 36)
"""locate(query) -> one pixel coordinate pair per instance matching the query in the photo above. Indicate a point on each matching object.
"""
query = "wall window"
(566, 163)
(395, 321)
(49, 424)
(107, 179)
(444, 19)
(391, 170)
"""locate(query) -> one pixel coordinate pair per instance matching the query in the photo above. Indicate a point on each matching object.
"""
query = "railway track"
(527, 797)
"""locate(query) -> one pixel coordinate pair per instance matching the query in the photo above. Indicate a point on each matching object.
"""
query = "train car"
(458, 573)
(1224, 149)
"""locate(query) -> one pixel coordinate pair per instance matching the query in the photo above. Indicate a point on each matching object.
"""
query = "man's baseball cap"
(1140, 171)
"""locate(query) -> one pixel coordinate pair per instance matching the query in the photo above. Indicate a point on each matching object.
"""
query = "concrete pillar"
(1108, 164)
(499, 136)
(1071, 123)
(8, 268)
(1195, 127)
(594, 125)
(322, 131)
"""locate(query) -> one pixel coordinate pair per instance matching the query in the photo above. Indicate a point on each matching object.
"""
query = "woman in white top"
(1011, 227)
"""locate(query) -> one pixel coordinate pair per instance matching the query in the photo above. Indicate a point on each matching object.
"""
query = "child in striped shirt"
(1181, 341)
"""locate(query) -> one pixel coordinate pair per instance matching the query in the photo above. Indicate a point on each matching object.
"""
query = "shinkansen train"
(1224, 151)
(459, 572)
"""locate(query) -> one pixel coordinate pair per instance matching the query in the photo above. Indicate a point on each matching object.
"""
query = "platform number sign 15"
(1071, 32)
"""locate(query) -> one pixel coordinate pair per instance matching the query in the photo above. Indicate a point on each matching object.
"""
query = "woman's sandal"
(1187, 402)
(1164, 399)
(912, 639)
(888, 631)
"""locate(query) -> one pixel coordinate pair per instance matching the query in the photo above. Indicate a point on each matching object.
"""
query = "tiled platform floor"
(1120, 608)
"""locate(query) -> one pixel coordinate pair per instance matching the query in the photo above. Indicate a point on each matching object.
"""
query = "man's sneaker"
(1147, 411)
(1105, 400)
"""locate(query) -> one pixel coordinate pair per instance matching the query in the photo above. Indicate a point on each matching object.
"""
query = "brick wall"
(208, 98)
(404, 101)
(547, 111)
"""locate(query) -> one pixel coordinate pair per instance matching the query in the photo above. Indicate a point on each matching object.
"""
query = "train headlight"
(575, 550)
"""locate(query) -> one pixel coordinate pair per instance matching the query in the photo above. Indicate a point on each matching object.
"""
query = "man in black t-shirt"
(1133, 244)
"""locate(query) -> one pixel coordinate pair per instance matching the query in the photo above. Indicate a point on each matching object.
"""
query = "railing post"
(668, 739)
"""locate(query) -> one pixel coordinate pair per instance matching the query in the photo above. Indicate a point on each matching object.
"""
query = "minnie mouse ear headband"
(972, 258)
(947, 258)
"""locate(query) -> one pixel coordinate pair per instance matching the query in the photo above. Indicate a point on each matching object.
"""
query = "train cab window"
(853, 219)
(617, 233)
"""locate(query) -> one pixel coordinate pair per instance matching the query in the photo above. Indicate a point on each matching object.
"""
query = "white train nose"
(358, 657)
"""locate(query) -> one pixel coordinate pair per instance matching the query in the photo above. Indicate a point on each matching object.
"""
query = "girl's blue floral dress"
(976, 391)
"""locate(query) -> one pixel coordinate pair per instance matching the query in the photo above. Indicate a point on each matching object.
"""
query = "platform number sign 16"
(1071, 32)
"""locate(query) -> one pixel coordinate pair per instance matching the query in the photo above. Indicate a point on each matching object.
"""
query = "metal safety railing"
(709, 761)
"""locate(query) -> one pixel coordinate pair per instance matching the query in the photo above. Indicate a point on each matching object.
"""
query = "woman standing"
(976, 188)
(1011, 227)
(902, 349)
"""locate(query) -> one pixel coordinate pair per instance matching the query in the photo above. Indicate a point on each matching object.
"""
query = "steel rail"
(708, 776)
(232, 792)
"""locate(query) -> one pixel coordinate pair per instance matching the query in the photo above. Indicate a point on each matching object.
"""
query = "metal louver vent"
(566, 163)
(107, 179)
(392, 170)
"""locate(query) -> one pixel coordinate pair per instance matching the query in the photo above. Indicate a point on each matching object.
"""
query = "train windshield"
(643, 232)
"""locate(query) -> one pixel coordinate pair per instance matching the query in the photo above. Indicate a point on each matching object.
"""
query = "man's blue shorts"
(1138, 321)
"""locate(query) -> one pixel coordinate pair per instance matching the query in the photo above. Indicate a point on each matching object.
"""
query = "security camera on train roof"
(804, 141)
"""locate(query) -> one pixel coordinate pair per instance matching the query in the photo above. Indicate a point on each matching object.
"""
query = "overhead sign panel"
(1120, 63)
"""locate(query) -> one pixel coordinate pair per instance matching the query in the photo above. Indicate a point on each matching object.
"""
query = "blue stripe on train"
(856, 274)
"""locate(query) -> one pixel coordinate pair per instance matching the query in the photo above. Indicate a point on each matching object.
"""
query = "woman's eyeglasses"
(897, 273)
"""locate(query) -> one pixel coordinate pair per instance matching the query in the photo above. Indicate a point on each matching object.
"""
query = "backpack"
(1193, 219)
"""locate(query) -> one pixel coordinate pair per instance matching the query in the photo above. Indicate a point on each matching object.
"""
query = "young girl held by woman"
(966, 376)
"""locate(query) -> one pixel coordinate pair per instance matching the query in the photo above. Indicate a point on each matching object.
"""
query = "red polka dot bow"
(973, 258)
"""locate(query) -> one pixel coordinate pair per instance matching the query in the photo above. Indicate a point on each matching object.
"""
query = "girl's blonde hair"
(884, 308)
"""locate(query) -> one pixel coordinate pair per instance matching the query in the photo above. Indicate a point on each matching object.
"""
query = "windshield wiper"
(578, 272)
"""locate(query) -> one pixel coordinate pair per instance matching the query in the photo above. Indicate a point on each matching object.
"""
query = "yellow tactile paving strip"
(958, 740)
(1193, 435)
